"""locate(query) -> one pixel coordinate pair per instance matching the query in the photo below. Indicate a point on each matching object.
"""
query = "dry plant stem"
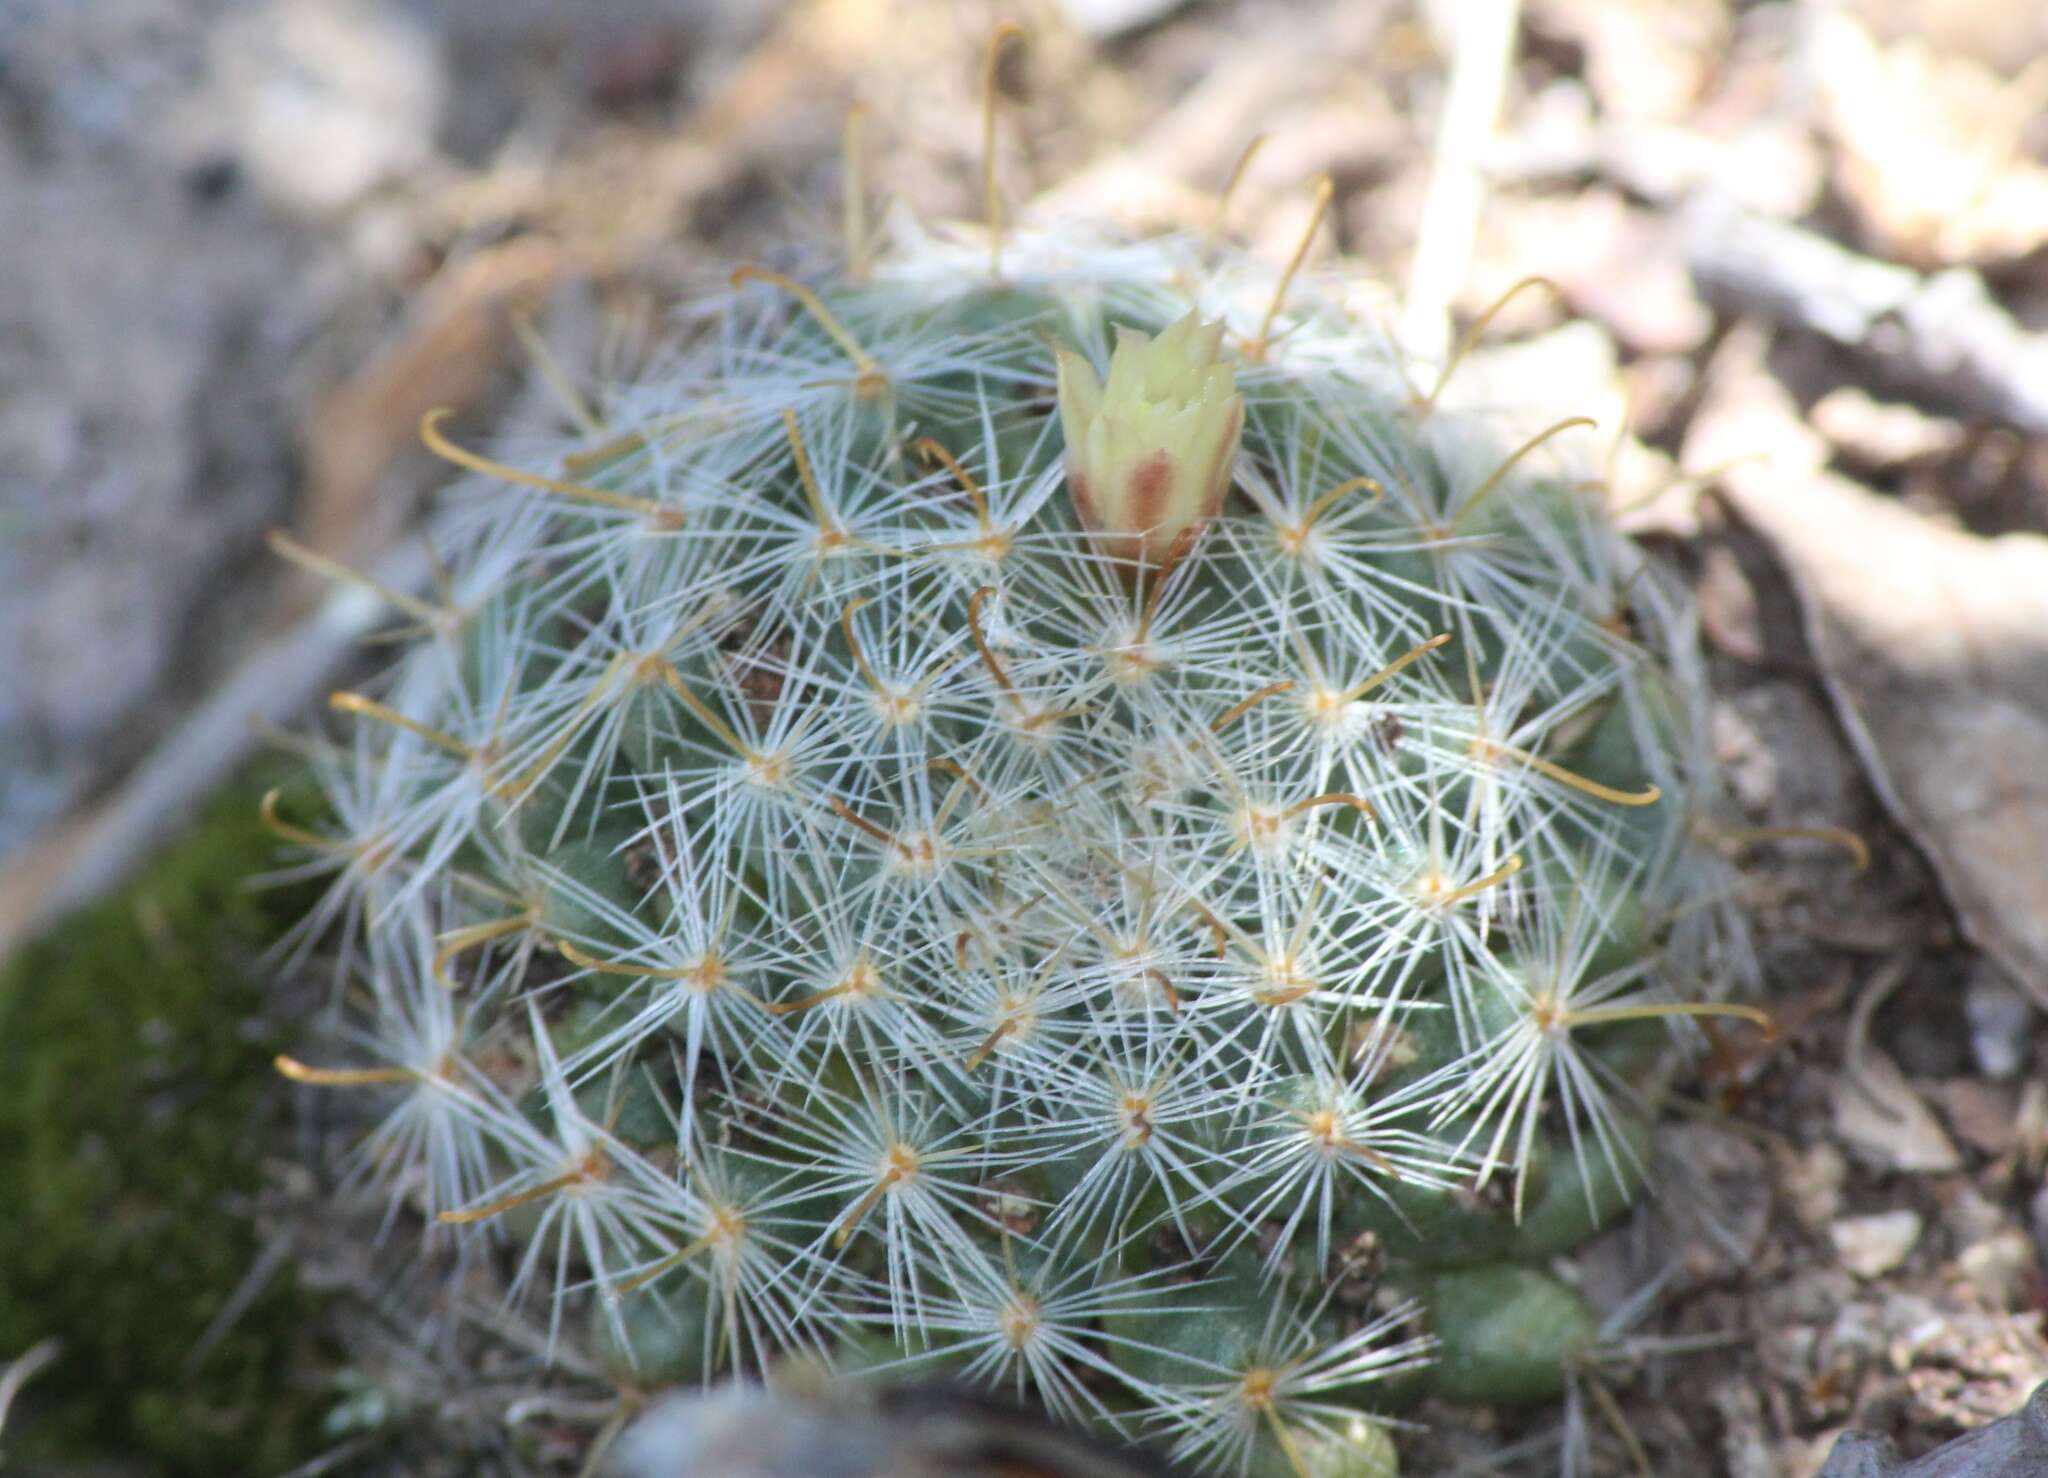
(1852, 846)
(1483, 48)
(1237, 172)
(1618, 1421)
(23, 1369)
(1856, 1041)
(992, 199)
(853, 168)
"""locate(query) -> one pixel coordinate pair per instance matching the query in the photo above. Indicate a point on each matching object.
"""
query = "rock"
(1812, 1180)
(1997, 1270)
(1968, 1215)
(1880, 1117)
(1646, 60)
(147, 336)
(1962, 1366)
(2001, 1024)
(326, 100)
(2037, 1215)
(1728, 1177)
(1981, 1113)
(1107, 19)
(2012, 1447)
(908, 1431)
(1882, 435)
(1744, 1452)
(1853, 1342)
(2003, 36)
(1871, 1246)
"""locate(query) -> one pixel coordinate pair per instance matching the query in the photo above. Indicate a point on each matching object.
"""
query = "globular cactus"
(1060, 826)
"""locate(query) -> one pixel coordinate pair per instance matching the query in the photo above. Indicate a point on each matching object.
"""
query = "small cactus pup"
(1057, 828)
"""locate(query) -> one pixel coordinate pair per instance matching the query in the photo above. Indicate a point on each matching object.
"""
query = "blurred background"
(1800, 253)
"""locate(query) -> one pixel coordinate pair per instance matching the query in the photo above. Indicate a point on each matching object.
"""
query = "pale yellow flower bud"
(1149, 454)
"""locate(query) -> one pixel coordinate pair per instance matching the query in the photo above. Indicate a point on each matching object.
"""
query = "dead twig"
(1856, 1044)
(21, 1371)
(1485, 44)
(1938, 340)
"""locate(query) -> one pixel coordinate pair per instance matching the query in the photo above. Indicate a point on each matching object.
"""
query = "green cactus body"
(897, 917)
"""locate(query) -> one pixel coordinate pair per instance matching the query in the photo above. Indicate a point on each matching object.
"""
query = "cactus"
(1058, 825)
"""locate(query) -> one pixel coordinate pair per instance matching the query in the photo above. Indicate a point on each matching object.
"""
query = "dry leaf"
(1646, 60)
(1933, 644)
(1929, 146)
(1614, 262)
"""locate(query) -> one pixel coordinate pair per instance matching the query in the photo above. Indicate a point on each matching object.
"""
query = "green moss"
(134, 1113)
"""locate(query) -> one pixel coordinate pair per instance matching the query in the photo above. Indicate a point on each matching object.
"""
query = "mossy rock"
(134, 1112)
